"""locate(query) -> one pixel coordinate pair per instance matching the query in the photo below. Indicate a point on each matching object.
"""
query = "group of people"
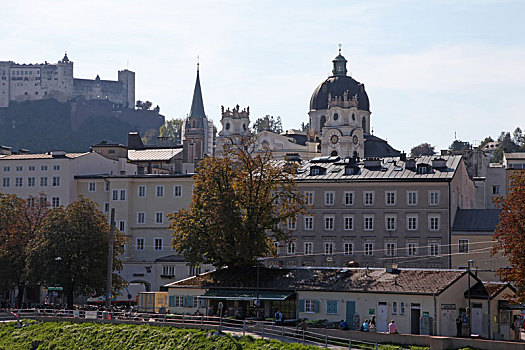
(370, 326)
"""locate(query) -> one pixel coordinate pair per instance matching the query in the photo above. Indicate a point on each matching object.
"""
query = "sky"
(432, 69)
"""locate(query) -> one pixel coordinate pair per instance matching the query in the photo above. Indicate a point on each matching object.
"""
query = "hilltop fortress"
(27, 82)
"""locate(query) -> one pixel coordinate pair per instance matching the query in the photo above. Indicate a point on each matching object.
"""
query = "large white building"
(27, 82)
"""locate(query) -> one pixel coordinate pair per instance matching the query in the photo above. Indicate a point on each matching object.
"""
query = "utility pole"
(469, 310)
(109, 276)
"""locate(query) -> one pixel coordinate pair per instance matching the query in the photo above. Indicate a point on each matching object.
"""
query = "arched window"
(364, 124)
(353, 116)
(336, 116)
(334, 153)
(227, 126)
(322, 122)
(244, 127)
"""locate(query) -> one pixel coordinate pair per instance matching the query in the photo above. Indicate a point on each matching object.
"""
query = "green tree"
(237, 207)
(150, 137)
(424, 149)
(79, 234)
(485, 141)
(517, 136)
(510, 233)
(19, 219)
(172, 130)
(459, 145)
(268, 123)
(146, 105)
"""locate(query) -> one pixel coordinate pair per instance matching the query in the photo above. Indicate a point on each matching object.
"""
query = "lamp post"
(469, 310)
(57, 259)
(258, 292)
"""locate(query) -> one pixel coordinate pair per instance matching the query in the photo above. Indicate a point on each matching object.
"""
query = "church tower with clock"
(340, 113)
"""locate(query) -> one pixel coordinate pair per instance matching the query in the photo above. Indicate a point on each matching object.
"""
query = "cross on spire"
(340, 48)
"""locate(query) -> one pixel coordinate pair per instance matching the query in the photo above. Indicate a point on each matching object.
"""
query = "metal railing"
(264, 329)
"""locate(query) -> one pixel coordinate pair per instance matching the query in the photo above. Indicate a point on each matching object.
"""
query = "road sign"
(55, 288)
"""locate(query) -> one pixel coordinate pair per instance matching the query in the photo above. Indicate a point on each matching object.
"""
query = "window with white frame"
(463, 246)
(56, 181)
(141, 191)
(106, 186)
(412, 248)
(92, 187)
(141, 217)
(309, 197)
(329, 248)
(30, 182)
(308, 248)
(495, 189)
(390, 197)
(390, 249)
(390, 222)
(139, 243)
(122, 225)
(309, 305)
(160, 191)
(7, 169)
(43, 182)
(368, 222)
(168, 270)
(433, 197)
(122, 195)
(179, 301)
(433, 223)
(198, 302)
(19, 168)
(329, 197)
(433, 248)
(6, 182)
(411, 197)
(292, 224)
(348, 222)
(157, 244)
(177, 191)
(106, 207)
(308, 222)
(368, 248)
(290, 248)
(114, 195)
(31, 202)
(368, 198)
(31, 168)
(394, 308)
(159, 217)
(348, 248)
(19, 181)
(348, 198)
(411, 222)
(43, 168)
(55, 202)
(56, 167)
(402, 308)
(329, 222)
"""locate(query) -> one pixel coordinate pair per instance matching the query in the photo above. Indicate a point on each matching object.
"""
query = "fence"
(264, 329)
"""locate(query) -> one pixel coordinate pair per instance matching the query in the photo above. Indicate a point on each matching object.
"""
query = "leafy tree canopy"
(172, 129)
(459, 145)
(424, 149)
(150, 137)
(268, 123)
(79, 234)
(239, 203)
(510, 233)
(145, 105)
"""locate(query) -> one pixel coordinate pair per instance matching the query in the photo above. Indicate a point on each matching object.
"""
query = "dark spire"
(197, 107)
(339, 64)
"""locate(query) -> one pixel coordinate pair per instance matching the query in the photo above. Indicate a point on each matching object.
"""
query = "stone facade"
(28, 82)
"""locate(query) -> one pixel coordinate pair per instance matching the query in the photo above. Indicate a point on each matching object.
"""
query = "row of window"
(55, 201)
(332, 306)
(19, 168)
(31, 181)
(158, 218)
(186, 301)
(158, 244)
(348, 198)
(120, 194)
(368, 222)
(368, 248)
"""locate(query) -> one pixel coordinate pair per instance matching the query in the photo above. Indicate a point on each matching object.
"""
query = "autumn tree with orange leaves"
(19, 220)
(510, 233)
(238, 204)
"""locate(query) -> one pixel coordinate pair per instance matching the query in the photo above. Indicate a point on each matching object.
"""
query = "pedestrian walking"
(459, 325)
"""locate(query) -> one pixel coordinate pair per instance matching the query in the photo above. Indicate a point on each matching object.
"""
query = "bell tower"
(235, 126)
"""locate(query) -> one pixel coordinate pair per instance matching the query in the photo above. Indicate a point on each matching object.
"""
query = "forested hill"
(45, 125)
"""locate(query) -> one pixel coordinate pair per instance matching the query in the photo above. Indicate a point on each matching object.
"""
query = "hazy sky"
(431, 68)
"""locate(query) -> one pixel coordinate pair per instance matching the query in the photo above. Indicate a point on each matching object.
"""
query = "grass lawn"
(65, 335)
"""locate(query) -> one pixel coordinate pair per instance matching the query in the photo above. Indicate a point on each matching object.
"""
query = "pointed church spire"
(197, 106)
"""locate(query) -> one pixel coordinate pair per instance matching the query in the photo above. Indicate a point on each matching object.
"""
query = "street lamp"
(257, 300)
(469, 310)
(57, 259)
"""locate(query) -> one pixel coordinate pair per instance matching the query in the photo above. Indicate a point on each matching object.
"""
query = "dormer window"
(350, 170)
(314, 171)
(317, 170)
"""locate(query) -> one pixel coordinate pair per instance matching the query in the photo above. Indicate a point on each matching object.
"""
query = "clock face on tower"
(334, 139)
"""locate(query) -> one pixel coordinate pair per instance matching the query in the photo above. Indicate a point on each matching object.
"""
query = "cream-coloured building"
(52, 175)
(142, 204)
(420, 301)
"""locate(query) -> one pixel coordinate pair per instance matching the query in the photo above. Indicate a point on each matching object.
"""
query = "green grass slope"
(65, 335)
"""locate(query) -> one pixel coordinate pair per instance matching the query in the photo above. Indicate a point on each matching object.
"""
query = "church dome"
(337, 85)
